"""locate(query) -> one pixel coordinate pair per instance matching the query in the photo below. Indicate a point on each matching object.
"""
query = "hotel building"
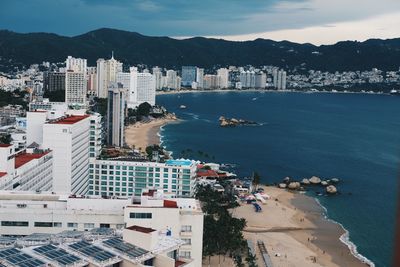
(121, 177)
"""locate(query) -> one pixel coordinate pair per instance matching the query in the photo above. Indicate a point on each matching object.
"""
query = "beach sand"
(141, 135)
(294, 228)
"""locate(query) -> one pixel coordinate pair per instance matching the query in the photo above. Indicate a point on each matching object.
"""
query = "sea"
(353, 137)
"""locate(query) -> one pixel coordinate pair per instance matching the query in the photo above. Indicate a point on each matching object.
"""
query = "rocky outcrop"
(286, 180)
(305, 181)
(334, 180)
(331, 189)
(282, 185)
(324, 183)
(294, 186)
(232, 122)
(315, 180)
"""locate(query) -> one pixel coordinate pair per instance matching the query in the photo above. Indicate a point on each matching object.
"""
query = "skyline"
(303, 21)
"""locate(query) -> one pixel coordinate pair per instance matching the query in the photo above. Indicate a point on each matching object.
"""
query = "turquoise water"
(353, 137)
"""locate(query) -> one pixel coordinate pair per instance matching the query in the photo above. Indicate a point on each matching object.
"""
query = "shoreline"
(296, 228)
(186, 91)
(141, 135)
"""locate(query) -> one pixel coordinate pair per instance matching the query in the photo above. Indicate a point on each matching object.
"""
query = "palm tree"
(256, 179)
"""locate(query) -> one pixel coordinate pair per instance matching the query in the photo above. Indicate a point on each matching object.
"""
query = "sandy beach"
(293, 228)
(140, 135)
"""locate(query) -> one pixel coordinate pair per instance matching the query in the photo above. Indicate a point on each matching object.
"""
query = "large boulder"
(294, 185)
(305, 181)
(331, 189)
(315, 180)
(282, 185)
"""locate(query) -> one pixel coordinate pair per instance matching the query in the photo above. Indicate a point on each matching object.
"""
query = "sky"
(312, 21)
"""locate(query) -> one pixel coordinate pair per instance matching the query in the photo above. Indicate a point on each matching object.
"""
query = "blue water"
(353, 137)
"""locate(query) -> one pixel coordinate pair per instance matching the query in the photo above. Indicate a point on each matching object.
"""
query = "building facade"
(127, 178)
(188, 75)
(116, 114)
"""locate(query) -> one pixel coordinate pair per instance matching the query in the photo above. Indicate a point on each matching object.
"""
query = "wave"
(345, 238)
(162, 141)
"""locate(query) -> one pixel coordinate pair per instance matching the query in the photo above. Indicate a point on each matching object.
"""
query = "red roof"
(5, 145)
(140, 229)
(179, 263)
(170, 204)
(207, 173)
(150, 193)
(70, 119)
(2, 174)
(24, 158)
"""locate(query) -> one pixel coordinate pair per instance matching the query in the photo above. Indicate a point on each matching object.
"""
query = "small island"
(232, 122)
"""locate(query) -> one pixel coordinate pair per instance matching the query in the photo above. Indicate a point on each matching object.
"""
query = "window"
(187, 241)
(72, 225)
(43, 224)
(57, 224)
(139, 215)
(15, 223)
(185, 254)
(186, 228)
(88, 225)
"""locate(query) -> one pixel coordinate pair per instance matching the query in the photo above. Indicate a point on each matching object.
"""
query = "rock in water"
(335, 180)
(294, 185)
(331, 189)
(315, 180)
(305, 181)
(324, 183)
(286, 180)
(282, 185)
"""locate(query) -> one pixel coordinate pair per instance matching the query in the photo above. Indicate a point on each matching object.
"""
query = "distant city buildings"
(53, 81)
(106, 72)
(188, 75)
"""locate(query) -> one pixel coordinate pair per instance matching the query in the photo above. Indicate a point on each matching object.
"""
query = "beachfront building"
(247, 79)
(30, 169)
(260, 80)
(123, 177)
(200, 78)
(182, 217)
(188, 75)
(158, 78)
(94, 225)
(116, 114)
(223, 79)
(68, 138)
(106, 72)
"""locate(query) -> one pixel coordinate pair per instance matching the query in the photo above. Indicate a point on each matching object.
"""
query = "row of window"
(140, 169)
(56, 224)
(140, 215)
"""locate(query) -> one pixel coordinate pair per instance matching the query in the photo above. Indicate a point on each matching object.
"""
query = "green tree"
(143, 109)
(5, 139)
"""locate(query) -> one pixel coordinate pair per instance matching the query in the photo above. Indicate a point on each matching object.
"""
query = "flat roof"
(70, 119)
(24, 158)
(141, 229)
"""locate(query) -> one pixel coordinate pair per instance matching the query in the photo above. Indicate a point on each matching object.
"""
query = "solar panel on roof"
(124, 247)
(57, 254)
(92, 251)
(8, 252)
(31, 263)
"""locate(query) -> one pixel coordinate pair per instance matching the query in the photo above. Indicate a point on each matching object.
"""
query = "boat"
(182, 106)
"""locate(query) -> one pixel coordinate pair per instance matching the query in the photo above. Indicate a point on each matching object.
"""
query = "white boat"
(182, 106)
(394, 92)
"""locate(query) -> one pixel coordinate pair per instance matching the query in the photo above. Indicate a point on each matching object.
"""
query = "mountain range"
(23, 49)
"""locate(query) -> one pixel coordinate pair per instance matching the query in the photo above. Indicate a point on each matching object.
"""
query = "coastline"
(141, 135)
(186, 91)
(295, 228)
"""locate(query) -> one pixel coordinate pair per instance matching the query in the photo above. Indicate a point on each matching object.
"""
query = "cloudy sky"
(314, 21)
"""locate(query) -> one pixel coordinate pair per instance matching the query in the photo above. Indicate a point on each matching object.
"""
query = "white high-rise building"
(223, 74)
(96, 135)
(76, 64)
(146, 90)
(68, 138)
(200, 78)
(281, 80)
(92, 81)
(275, 78)
(106, 72)
(116, 114)
(75, 87)
(261, 80)
(157, 73)
(171, 79)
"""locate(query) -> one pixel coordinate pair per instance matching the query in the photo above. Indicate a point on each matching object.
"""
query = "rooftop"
(5, 145)
(23, 158)
(179, 162)
(2, 174)
(141, 229)
(70, 119)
